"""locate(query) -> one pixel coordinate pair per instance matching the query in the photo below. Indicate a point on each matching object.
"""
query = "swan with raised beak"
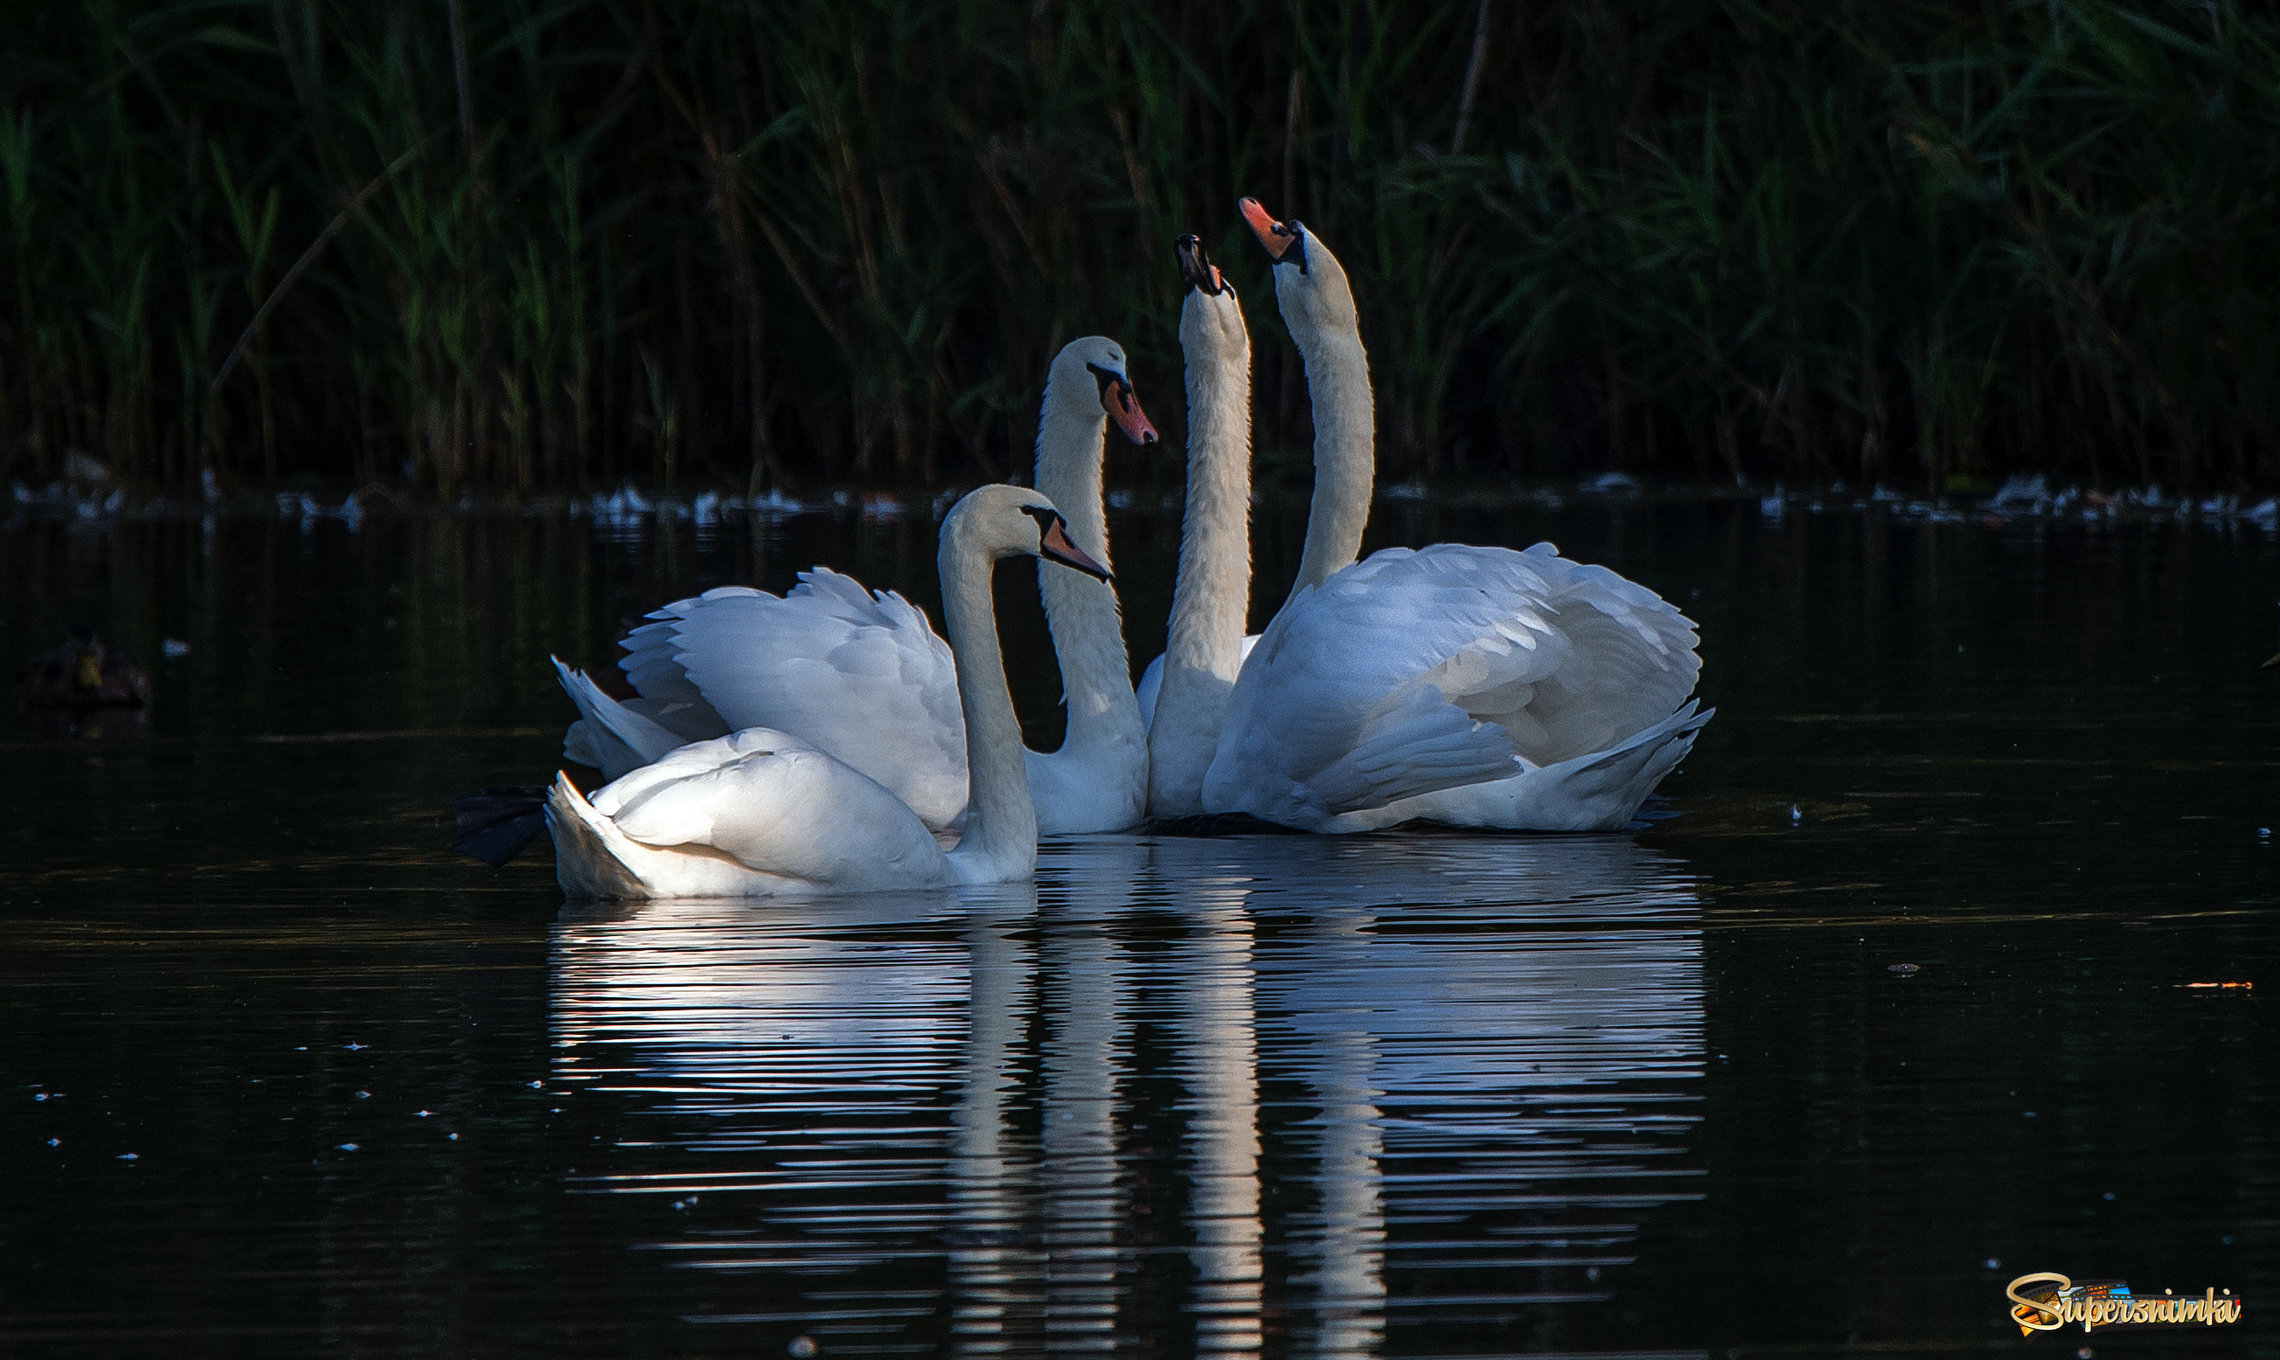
(1467, 685)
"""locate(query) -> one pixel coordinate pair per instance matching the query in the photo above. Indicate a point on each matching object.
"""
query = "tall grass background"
(529, 244)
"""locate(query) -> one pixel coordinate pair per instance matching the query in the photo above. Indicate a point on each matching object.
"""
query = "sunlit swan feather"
(761, 812)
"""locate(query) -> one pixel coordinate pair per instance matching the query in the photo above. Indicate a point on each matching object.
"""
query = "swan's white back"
(1412, 673)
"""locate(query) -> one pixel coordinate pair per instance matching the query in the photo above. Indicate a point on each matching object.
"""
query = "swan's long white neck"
(1212, 596)
(1088, 633)
(1338, 387)
(1000, 843)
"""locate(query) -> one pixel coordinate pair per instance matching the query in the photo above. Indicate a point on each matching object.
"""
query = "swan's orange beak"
(1053, 542)
(1272, 234)
(1116, 398)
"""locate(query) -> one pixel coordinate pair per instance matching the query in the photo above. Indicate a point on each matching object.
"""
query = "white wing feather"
(1412, 672)
(855, 673)
(609, 735)
(756, 813)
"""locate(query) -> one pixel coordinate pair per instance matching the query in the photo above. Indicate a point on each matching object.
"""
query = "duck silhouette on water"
(82, 674)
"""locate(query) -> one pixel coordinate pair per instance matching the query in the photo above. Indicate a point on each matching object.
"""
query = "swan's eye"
(1295, 252)
(1111, 381)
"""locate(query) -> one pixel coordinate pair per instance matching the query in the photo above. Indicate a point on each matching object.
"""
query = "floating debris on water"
(1904, 969)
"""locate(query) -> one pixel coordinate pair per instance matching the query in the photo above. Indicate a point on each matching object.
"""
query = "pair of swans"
(761, 812)
(1473, 686)
(1464, 685)
(860, 674)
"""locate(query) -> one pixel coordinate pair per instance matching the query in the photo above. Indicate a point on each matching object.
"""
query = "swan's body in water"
(761, 812)
(1467, 685)
(861, 675)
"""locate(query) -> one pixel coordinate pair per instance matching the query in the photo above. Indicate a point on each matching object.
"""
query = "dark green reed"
(551, 243)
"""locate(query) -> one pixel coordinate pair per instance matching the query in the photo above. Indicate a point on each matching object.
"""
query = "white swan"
(761, 812)
(1205, 647)
(1467, 685)
(1318, 309)
(859, 674)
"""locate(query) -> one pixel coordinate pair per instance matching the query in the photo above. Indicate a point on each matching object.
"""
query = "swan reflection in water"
(1242, 1079)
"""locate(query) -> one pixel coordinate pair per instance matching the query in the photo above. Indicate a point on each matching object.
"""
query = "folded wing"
(1414, 672)
(857, 674)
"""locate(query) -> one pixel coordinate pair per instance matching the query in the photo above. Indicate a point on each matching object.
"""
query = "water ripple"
(1356, 1078)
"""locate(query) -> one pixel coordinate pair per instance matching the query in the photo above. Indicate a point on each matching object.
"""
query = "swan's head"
(1211, 320)
(1196, 268)
(1096, 364)
(1007, 521)
(1310, 284)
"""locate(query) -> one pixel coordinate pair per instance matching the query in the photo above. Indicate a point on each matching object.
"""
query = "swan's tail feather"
(495, 824)
(587, 861)
(1612, 784)
(608, 735)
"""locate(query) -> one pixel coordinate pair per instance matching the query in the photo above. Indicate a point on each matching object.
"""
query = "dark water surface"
(279, 1075)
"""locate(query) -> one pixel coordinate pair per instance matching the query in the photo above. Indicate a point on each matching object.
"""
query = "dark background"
(745, 245)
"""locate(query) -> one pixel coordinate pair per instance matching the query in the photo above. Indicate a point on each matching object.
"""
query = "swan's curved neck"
(1345, 446)
(1088, 633)
(1001, 823)
(1212, 595)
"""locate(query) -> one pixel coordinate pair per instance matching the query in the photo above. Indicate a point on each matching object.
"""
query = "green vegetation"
(547, 243)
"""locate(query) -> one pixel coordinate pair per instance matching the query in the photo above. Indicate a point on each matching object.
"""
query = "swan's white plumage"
(1596, 791)
(1152, 680)
(858, 673)
(1478, 686)
(1411, 674)
(762, 812)
(611, 736)
(862, 675)
(752, 814)
(1203, 651)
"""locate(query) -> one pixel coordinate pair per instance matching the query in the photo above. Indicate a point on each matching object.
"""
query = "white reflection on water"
(929, 1112)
